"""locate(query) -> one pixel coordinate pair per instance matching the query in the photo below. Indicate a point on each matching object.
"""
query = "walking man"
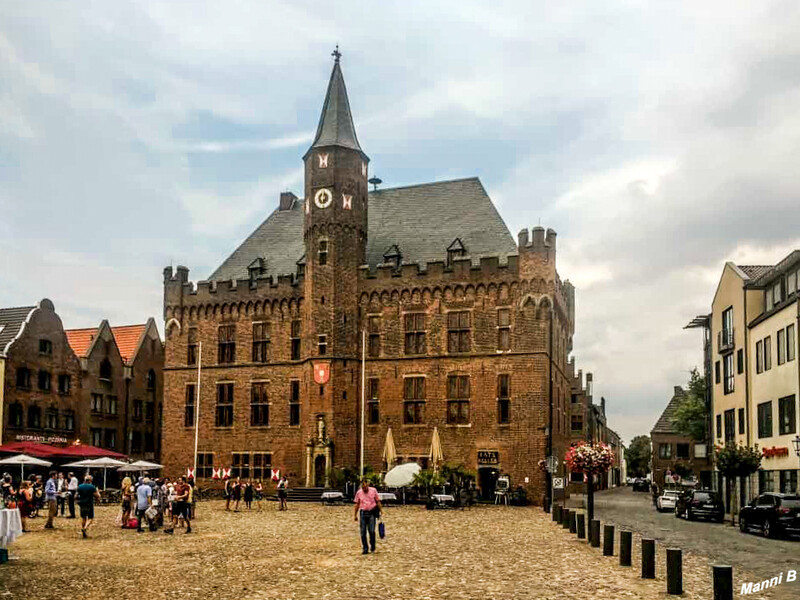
(144, 497)
(87, 494)
(72, 487)
(61, 490)
(367, 509)
(283, 487)
(50, 495)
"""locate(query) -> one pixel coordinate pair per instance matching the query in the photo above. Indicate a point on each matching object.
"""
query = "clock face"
(323, 198)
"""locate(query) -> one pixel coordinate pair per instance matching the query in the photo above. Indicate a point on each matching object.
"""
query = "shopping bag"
(381, 530)
(151, 513)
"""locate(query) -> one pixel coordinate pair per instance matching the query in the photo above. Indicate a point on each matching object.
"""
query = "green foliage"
(682, 470)
(340, 476)
(427, 479)
(737, 460)
(458, 475)
(637, 455)
(690, 417)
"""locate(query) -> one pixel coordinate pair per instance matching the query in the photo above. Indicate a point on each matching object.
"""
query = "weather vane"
(336, 54)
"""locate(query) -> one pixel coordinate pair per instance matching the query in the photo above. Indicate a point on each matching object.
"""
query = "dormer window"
(455, 250)
(301, 266)
(774, 295)
(256, 268)
(393, 256)
(322, 256)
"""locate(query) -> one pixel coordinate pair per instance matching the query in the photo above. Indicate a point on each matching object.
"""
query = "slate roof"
(754, 271)
(665, 421)
(127, 338)
(336, 122)
(422, 220)
(11, 320)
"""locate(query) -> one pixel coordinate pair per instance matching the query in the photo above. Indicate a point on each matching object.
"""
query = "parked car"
(704, 504)
(772, 513)
(667, 501)
(641, 485)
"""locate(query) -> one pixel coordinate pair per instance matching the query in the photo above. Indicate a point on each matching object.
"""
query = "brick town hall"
(467, 332)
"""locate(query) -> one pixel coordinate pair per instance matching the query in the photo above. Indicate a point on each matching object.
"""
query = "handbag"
(381, 530)
(151, 513)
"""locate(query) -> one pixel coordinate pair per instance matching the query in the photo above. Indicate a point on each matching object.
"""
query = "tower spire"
(336, 122)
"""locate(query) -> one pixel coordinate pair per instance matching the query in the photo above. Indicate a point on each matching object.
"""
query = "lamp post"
(796, 444)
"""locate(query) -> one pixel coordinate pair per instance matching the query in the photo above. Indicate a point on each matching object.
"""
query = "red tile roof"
(80, 339)
(126, 336)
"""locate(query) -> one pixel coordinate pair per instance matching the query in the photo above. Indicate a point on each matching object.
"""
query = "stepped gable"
(422, 220)
(665, 421)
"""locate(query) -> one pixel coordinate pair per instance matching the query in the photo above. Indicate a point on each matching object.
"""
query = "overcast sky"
(658, 139)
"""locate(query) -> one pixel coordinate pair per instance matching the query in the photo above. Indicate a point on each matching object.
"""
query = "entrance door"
(319, 471)
(487, 481)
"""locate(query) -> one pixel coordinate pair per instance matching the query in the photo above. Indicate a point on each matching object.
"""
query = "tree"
(690, 416)
(637, 455)
(735, 461)
(428, 479)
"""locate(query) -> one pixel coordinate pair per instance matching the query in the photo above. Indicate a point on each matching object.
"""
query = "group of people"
(34, 495)
(158, 502)
(236, 490)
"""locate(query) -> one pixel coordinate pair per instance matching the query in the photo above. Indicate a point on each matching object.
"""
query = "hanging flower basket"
(585, 458)
(542, 466)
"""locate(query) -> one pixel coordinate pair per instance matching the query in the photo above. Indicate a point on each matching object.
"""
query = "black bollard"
(580, 526)
(723, 582)
(557, 513)
(573, 518)
(546, 505)
(594, 533)
(648, 559)
(608, 540)
(674, 572)
(625, 545)
(565, 518)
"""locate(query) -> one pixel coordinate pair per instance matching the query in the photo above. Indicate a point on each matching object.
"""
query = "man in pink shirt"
(367, 509)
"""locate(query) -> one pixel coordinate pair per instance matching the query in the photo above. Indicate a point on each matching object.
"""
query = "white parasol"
(99, 463)
(22, 460)
(401, 475)
(141, 465)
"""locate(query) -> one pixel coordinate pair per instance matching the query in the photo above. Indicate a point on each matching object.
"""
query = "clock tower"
(335, 236)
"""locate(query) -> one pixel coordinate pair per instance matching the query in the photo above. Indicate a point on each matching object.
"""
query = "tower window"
(373, 404)
(415, 333)
(374, 336)
(294, 403)
(503, 398)
(458, 400)
(261, 333)
(323, 252)
(503, 329)
(188, 406)
(259, 405)
(191, 348)
(226, 347)
(224, 408)
(458, 331)
(414, 401)
(322, 345)
(295, 347)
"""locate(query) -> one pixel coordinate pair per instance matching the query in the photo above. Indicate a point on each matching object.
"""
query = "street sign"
(551, 462)
(558, 483)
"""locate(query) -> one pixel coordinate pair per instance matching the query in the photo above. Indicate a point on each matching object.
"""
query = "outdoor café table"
(443, 499)
(10, 526)
(387, 496)
(332, 497)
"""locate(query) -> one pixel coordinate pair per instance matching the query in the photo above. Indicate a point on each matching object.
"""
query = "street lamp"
(796, 444)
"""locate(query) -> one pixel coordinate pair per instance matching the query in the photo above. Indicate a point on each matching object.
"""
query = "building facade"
(63, 386)
(416, 298)
(775, 375)
(674, 454)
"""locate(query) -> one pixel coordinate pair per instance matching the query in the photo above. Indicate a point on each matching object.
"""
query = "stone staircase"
(304, 494)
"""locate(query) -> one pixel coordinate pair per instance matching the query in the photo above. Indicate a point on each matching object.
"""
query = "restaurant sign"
(775, 451)
(488, 457)
(43, 439)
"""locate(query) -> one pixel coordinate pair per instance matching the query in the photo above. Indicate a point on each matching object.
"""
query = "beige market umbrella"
(24, 459)
(389, 451)
(436, 455)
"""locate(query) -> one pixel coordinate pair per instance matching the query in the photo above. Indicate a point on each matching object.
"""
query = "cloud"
(659, 141)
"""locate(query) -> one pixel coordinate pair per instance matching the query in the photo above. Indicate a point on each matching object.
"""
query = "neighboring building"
(60, 386)
(775, 373)
(122, 384)
(466, 331)
(672, 452)
(41, 381)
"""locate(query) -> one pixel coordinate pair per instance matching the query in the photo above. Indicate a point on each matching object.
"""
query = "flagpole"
(363, 394)
(197, 405)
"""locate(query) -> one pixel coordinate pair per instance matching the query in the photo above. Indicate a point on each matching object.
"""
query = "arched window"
(105, 369)
(34, 417)
(15, 416)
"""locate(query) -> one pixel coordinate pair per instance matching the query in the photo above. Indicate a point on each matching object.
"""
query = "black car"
(641, 485)
(771, 513)
(703, 504)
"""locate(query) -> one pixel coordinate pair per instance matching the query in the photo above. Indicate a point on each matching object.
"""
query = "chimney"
(182, 273)
(551, 238)
(522, 237)
(603, 405)
(287, 200)
(167, 273)
(678, 390)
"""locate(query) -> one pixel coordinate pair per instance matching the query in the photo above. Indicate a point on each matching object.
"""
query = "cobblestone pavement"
(312, 551)
(753, 557)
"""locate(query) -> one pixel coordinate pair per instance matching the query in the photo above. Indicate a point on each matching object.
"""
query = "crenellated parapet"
(213, 299)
